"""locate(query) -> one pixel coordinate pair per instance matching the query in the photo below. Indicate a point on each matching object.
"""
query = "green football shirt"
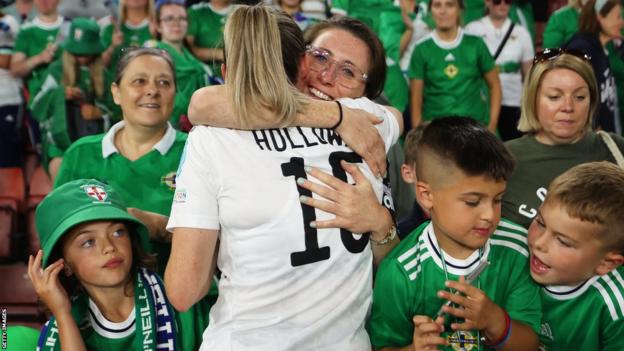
(147, 183)
(366, 11)
(453, 76)
(588, 317)
(206, 26)
(32, 38)
(561, 26)
(409, 278)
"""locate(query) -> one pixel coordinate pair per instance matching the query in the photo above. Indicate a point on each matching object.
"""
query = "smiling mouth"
(319, 94)
(153, 106)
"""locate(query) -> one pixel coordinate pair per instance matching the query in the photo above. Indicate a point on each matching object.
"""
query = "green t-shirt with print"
(32, 38)
(452, 74)
(585, 317)
(539, 164)
(410, 276)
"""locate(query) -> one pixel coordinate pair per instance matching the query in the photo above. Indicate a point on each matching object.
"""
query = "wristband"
(500, 342)
(339, 116)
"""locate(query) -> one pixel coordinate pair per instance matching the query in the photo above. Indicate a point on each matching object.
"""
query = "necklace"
(462, 340)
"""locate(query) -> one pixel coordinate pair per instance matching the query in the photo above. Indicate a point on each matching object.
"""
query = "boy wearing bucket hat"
(71, 101)
(92, 276)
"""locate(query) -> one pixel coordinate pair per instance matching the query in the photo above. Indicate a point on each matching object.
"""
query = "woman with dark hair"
(601, 22)
(285, 283)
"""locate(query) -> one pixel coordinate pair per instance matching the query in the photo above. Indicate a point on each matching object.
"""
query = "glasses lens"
(346, 74)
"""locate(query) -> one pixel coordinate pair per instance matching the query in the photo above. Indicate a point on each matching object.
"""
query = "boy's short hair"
(593, 192)
(463, 143)
(411, 143)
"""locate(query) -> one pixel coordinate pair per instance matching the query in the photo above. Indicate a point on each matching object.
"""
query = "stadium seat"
(40, 186)
(18, 296)
(11, 201)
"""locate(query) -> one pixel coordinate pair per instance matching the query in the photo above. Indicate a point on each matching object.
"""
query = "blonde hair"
(593, 192)
(96, 71)
(256, 78)
(529, 122)
(149, 11)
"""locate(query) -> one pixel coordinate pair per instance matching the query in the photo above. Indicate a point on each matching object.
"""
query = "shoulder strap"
(502, 44)
(615, 151)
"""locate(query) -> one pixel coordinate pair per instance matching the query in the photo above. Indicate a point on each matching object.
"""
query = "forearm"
(210, 106)
(384, 224)
(416, 87)
(191, 265)
(208, 54)
(405, 40)
(69, 334)
(107, 55)
(522, 338)
(404, 348)
(494, 85)
(22, 66)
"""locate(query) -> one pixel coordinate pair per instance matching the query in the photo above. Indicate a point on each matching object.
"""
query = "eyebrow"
(476, 193)
(345, 61)
(539, 214)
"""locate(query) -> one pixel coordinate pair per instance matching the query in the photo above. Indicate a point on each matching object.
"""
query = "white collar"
(48, 26)
(108, 329)
(566, 292)
(504, 27)
(224, 11)
(163, 145)
(143, 24)
(446, 44)
(453, 265)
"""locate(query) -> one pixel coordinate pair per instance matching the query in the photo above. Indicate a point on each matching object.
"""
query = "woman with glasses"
(285, 284)
(448, 71)
(205, 32)
(513, 51)
(600, 23)
(191, 74)
(560, 97)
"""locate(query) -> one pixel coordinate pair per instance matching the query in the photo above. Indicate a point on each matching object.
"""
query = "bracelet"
(339, 116)
(500, 342)
(390, 235)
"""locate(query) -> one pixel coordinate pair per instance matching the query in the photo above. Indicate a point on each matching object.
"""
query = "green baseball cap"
(83, 38)
(77, 202)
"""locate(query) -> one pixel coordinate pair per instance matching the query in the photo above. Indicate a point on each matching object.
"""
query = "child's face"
(99, 254)
(564, 250)
(465, 211)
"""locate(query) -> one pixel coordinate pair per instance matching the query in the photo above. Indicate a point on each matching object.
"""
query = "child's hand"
(427, 333)
(477, 310)
(47, 284)
(73, 93)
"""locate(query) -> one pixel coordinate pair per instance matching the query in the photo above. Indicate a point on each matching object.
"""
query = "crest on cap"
(95, 191)
(77, 34)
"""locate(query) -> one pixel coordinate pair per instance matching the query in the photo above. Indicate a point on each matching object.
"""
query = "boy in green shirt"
(576, 245)
(462, 171)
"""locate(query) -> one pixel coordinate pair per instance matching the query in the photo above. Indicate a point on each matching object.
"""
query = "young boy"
(576, 244)
(408, 172)
(462, 171)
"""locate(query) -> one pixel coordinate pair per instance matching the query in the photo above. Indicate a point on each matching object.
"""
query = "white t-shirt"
(518, 49)
(284, 285)
(10, 87)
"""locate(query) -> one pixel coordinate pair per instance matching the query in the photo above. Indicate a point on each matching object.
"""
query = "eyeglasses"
(551, 54)
(170, 19)
(498, 2)
(347, 74)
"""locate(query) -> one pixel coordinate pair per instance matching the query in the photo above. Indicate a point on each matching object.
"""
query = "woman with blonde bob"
(285, 284)
(560, 96)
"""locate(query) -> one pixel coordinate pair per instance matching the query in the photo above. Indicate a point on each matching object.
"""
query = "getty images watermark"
(4, 328)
